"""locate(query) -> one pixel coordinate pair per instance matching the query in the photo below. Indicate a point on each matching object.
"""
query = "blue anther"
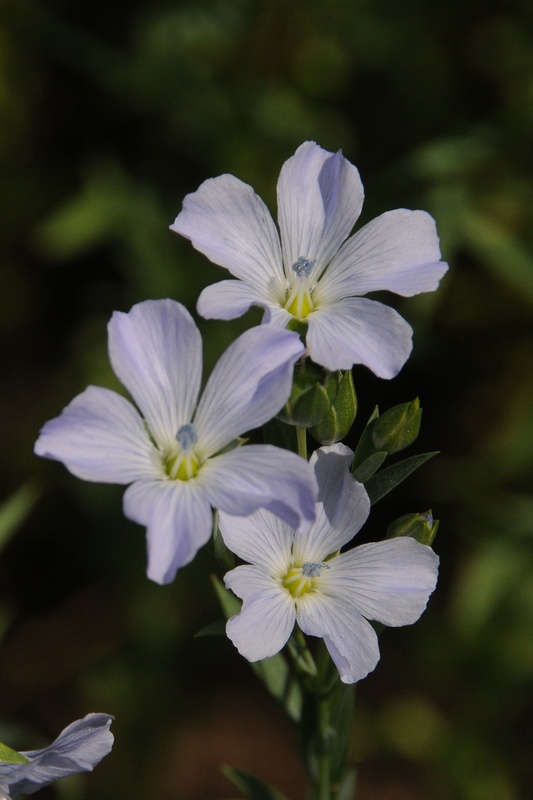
(186, 437)
(313, 569)
(303, 266)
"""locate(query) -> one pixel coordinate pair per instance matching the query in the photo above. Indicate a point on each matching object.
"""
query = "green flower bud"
(310, 398)
(398, 427)
(339, 419)
(421, 527)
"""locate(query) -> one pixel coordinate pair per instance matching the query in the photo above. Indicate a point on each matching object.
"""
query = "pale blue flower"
(178, 453)
(302, 578)
(315, 274)
(78, 748)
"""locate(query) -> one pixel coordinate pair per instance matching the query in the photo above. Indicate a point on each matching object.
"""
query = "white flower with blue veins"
(78, 748)
(179, 453)
(312, 272)
(303, 578)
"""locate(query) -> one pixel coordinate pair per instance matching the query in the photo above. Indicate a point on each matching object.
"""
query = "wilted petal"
(398, 251)
(261, 538)
(342, 508)
(78, 748)
(389, 581)
(350, 639)
(100, 437)
(178, 517)
(320, 196)
(262, 476)
(156, 352)
(359, 331)
(248, 386)
(266, 619)
(227, 222)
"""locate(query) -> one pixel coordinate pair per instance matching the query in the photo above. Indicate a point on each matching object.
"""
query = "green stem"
(301, 438)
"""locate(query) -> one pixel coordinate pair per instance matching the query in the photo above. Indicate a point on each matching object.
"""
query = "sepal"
(9, 756)
(398, 427)
(311, 396)
(421, 527)
(342, 411)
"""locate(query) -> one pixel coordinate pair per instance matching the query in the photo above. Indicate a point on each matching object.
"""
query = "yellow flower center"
(183, 464)
(299, 300)
(302, 579)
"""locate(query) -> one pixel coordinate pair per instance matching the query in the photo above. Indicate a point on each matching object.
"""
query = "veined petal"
(248, 386)
(266, 620)
(357, 330)
(100, 436)
(261, 538)
(156, 352)
(228, 299)
(320, 196)
(389, 581)
(398, 251)
(230, 224)
(262, 476)
(178, 517)
(342, 508)
(351, 641)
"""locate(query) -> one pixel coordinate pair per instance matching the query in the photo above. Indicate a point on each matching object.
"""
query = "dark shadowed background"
(109, 114)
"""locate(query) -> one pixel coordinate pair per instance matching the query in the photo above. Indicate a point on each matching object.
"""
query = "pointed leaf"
(386, 480)
(369, 466)
(365, 447)
(251, 786)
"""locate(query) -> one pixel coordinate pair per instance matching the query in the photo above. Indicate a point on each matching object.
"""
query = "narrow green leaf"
(9, 756)
(386, 480)
(217, 628)
(14, 511)
(365, 447)
(369, 466)
(251, 786)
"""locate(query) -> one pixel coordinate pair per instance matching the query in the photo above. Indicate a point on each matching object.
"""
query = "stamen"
(303, 266)
(186, 437)
(313, 569)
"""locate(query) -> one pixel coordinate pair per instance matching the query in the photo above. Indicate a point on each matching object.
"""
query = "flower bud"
(398, 427)
(341, 413)
(310, 398)
(421, 527)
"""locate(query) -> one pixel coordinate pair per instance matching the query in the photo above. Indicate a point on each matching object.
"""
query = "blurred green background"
(109, 114)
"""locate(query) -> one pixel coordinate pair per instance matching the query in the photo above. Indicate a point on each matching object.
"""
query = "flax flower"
(304, 579)
(179, 453)
(314, 273)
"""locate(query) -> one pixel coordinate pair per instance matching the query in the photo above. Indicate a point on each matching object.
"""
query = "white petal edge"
(156, 352)
(262, 476)
(398, 251)
(357, 330)
(178, 517)
(230, 224)
(100, 436)
(248, 386)
(260, 538)
(228, 300)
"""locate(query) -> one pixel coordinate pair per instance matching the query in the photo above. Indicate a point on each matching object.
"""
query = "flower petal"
(156, 352)
(266, 620)
(100, 437)
(359, 331)
(342, 508)
(389, 581)
(248, 386)
(179, 522)
(320, 196)
(78, 748)
(350, 639)
(230, 224)
(228, 299)
(398, 251)
(262, 476)
(260, 538)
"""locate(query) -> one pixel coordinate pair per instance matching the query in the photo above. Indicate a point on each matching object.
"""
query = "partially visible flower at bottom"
(304, 579)
(78, 748)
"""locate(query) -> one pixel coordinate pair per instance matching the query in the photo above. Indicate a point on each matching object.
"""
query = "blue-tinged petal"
(359, 331)
(78, 748)
(389, 581)
(266, 620)
(320, 196)
(349, 638)
(342, 508)
(179, 522)
(262, 476)
(261, 538)
(398, 251)
(156, 352)
(248, 386)
(228, 299)
(100, 437)
(227, 222)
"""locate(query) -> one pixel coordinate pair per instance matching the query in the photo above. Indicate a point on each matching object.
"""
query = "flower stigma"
(302, 579)
(183, 464)
(299, 301)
